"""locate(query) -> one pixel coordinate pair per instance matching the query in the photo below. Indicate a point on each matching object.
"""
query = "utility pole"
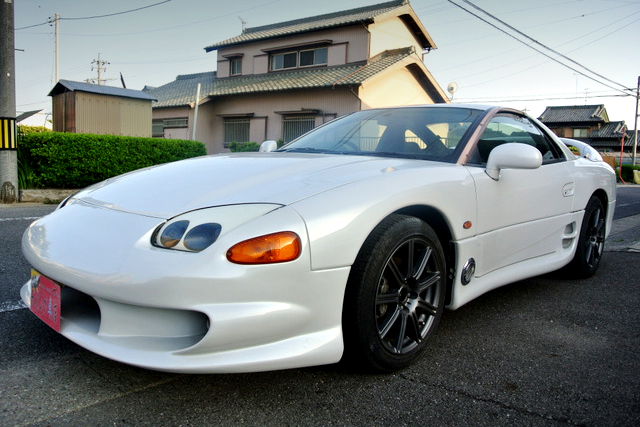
(8, 145)
(635, 127)
(100, 67)
(57, 51)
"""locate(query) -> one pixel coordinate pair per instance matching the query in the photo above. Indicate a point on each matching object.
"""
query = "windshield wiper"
(303, 150)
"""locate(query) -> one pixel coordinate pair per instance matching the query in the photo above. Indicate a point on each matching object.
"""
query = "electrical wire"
(117, 13)
(51, 20)
(540, 44)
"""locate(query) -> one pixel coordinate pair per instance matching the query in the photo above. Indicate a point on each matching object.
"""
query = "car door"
(526, 212)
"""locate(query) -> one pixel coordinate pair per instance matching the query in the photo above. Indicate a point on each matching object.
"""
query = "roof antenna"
(244, 24)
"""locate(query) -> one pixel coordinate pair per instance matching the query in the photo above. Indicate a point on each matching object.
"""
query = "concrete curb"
(48, 196)
(624, 235)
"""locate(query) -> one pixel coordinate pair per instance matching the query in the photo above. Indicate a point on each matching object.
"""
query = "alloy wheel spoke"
(430, 280)
(402, 331)
(390, 322)
(388, 298)
(422, 265)
(395, 271)
(415, 327)
(427, 307)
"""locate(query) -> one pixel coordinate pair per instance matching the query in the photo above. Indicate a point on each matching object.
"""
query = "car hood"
(280, 178)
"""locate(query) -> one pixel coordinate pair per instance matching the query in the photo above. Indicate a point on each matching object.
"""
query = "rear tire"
(395, 295)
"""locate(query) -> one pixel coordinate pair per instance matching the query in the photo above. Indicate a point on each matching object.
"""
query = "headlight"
(195, 231)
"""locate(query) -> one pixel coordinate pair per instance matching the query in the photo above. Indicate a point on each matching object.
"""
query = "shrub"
(242, 147)
(67, 160)
(627, 172)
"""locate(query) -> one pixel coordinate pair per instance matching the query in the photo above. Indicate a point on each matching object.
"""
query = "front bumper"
(126, 300)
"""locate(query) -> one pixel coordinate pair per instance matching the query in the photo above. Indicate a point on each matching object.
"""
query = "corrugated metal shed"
(71, 86)
(102, 110)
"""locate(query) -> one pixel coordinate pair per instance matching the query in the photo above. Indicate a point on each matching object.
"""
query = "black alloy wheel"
(590, 246)
(395, 294)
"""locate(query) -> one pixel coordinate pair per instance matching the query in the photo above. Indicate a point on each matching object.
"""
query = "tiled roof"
(70, 86)
(609, 130)
(610, 136)
(181, 92)
(574, 114)
(347, 17)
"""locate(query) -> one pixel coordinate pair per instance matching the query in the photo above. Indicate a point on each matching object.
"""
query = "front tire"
(395, 294)
(590, 246)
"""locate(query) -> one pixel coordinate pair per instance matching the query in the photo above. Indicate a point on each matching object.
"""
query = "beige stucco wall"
(111, 115)
(396, 87)
(391, 34)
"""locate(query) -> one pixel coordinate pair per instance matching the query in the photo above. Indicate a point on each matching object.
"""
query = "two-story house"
(588, 123)
(279, 81)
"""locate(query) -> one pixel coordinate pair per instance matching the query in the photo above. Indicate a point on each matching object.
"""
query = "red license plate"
(45, 299)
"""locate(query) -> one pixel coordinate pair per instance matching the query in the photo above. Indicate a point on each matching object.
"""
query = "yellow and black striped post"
(8, 134)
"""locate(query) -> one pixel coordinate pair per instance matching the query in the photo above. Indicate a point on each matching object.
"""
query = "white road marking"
(26, 218)
(11, 306)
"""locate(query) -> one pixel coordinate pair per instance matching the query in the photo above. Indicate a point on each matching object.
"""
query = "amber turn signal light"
(271, 248)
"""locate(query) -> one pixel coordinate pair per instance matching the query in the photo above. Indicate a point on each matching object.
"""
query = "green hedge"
(67, 160)
(627, 172)
(242, 147)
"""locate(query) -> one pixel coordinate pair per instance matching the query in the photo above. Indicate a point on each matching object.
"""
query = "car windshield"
(431, 133)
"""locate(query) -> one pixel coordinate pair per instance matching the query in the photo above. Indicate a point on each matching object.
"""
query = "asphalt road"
(540, 352)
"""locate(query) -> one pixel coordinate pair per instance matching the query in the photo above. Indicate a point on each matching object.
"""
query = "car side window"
(505, 128)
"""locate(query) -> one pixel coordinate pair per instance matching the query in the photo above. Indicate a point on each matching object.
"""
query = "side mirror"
(512, 155)
(268, 145)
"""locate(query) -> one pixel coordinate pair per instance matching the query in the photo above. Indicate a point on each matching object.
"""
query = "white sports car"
(347, 243)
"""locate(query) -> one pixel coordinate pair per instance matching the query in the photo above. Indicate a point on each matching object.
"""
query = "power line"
(51, 20)
(536, 49)
(542, 45)
(532, 99)
(117, 13)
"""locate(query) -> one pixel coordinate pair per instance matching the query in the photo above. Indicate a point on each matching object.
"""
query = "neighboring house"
(103, 110)
(34, 118)
(588, 123)
(279, 81)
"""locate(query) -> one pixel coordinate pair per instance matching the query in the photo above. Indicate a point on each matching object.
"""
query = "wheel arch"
(438, 221)
(604, 198)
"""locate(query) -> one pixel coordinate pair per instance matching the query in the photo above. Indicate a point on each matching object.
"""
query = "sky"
(512, 56)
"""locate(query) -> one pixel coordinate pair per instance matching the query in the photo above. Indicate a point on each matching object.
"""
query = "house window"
(157, 128)
(159, 125)
(293, 127)
(313, 57)
(580, 133)
(236, 66)
(303, 58)
(282, 61)
(178, 122)
(236, 129)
